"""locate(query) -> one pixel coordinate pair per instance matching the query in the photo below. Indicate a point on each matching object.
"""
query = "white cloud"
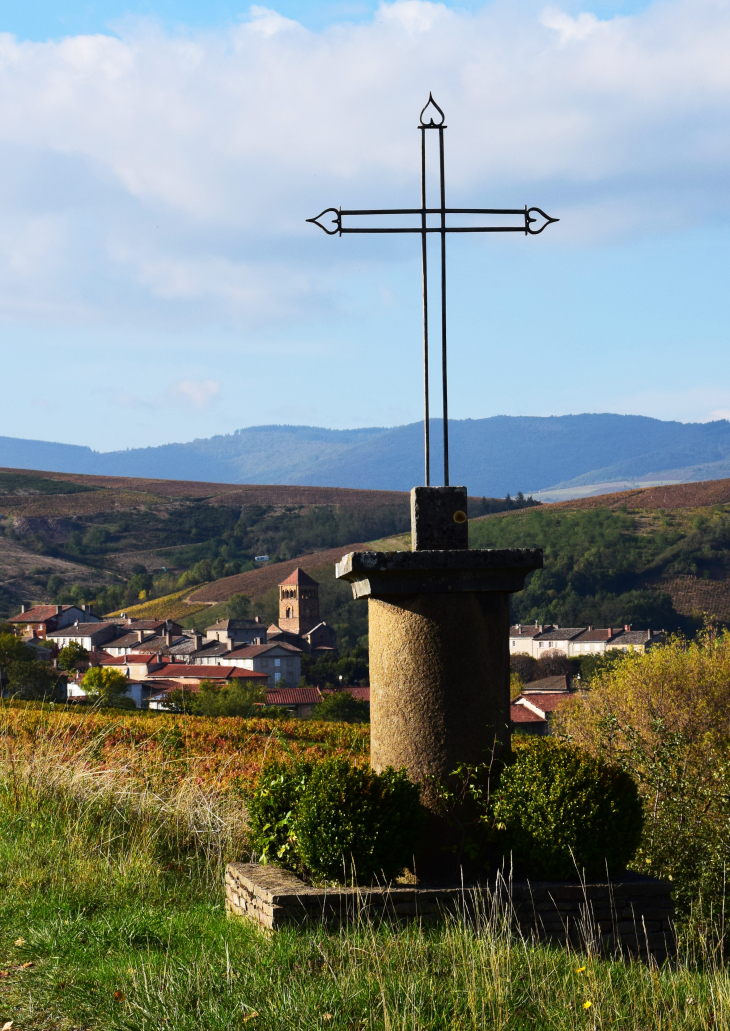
(568, 28)
(199, 393)
(166, 177)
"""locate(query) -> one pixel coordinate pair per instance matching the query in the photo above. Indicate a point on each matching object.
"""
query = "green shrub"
(559, 809)
(341, 707)
(334, 820)
(272, 809)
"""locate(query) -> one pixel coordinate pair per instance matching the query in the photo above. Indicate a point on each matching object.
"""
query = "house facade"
(42, 620)
(538, 639)
(281, 663)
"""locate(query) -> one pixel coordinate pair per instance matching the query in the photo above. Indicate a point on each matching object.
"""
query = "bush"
(664, 717)
(239, 698)
(560, 809)
(106, 686)
(72, 655)
(341, 707)
(333, 820)
(34, 680)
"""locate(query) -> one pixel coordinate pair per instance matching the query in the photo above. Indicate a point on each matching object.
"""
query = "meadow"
(114, 832)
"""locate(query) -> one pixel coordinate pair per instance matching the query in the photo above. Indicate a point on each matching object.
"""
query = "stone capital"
(378, 573)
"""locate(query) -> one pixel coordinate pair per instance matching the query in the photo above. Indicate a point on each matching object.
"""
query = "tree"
(341, 707)
(106, 686)
(239, 606)
(32, 680)
(524, 666)
(12, 649)
(554, 663)
(72, 655)
(239, 698)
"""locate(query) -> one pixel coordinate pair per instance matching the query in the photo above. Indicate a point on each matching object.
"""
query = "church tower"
(298, 603)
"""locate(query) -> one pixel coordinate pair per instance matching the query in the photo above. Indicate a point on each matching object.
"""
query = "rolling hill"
(493, 457)
(74, 536)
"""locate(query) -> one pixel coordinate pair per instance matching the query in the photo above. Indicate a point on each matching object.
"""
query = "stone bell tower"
(298, 603)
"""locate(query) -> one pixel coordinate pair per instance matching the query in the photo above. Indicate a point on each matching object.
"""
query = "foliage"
(344, 670)
(32, 679)
(12, 649)
(223, 754)
(72, 655)
(341, 707)
(106, 686)
(238, 698)
(563, 811)
(665, 718)
(272, 811)
(28, 484)
(597, 562)
(487, 506)
(335, 820)
(239, 606)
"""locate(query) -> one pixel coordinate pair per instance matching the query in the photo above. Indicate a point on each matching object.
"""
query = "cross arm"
(526, 227)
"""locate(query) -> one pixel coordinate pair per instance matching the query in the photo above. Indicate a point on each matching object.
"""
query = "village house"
(236, 632)
(89, 635)
(538, 639)
(135, 666)
(42, 620)
(300, 701)
(531, 711)
(282, 663)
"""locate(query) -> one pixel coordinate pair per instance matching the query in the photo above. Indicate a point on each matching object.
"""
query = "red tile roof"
(200, 672)
(293, 696)
(37, 614)
(520, 714)
(361, 693)
(121, 660)
(299, 577)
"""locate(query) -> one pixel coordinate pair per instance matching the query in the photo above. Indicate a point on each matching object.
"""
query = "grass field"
(111, 911)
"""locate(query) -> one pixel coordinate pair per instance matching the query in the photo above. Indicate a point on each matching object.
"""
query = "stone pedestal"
(633, 915)
(439, 652)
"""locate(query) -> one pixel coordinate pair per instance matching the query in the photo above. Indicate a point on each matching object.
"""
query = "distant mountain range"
(492, 457)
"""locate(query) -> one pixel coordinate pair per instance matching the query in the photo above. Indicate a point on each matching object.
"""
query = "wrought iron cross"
(435, 121)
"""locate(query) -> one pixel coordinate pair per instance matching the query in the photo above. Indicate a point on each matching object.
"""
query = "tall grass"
(111, 891)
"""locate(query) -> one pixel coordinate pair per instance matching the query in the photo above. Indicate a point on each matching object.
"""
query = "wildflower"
(587, 1004)
(580, 970)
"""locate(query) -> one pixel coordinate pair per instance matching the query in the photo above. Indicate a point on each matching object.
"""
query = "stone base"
(634, 915)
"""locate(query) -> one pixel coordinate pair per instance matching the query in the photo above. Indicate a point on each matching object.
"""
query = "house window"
(277, 662)
(277, 677)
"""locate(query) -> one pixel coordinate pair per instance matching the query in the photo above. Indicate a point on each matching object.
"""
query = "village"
(159, 658)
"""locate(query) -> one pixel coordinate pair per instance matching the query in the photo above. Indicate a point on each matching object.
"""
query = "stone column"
(439, 651)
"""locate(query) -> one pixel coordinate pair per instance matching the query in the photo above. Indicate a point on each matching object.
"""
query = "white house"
(538, 639)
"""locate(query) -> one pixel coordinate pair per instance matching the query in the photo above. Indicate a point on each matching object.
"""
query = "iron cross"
(436, 120)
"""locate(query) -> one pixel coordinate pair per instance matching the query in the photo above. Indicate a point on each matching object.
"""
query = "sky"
(158, 159)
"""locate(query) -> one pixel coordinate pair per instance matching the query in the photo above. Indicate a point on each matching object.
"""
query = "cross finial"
(431, 124)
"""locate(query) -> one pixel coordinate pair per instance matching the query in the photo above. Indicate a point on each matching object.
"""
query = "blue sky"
(157, 160)
(50, 20)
